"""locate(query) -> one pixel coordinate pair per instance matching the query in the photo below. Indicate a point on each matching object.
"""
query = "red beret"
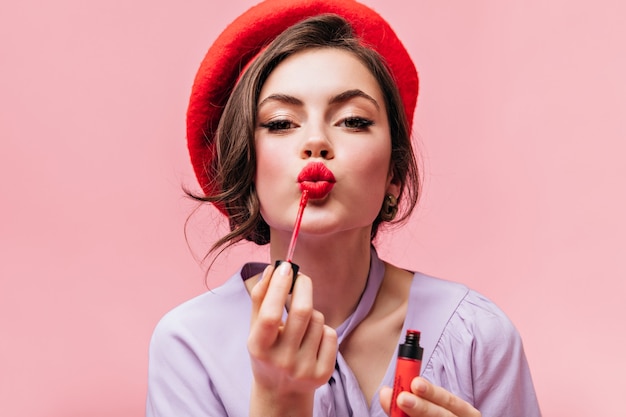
(242, 40)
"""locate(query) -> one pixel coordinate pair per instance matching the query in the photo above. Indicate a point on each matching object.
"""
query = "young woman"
(323, 104)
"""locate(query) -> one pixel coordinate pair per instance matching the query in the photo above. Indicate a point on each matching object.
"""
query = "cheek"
(273, 181)
(373, 165)
(368, 180)
(265, 167)
(268, 161)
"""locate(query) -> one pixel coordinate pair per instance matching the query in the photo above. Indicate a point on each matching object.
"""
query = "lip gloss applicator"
(296, 228)
(294, 237)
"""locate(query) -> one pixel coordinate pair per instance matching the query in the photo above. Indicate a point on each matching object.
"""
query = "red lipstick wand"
(296, 228)
(294, 237)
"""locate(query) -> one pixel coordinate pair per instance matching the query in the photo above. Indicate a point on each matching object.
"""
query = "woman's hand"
(428, 400)
(289, 359)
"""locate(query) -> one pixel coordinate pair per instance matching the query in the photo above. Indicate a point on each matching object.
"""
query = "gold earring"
(390, 208)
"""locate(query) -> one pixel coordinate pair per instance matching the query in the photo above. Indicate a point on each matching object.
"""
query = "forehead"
(321, 70)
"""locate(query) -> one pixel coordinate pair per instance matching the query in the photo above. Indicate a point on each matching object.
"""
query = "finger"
(327, 355)
(312, 338)
(414, 406)
(300, 312)
(442, 398)
(384, 396)
(275, 297)
(267, 324)
(257, 294)
(308, 352)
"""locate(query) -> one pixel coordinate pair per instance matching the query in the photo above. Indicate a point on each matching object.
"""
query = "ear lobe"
(393, 188)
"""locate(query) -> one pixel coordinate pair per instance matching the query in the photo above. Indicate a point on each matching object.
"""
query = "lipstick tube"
(408, 366)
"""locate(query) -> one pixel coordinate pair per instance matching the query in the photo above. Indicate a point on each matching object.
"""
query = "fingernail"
(407, 400)
(419, 386)
(283, 268)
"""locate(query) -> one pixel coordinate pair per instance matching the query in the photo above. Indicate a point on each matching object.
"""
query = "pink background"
(521, 129)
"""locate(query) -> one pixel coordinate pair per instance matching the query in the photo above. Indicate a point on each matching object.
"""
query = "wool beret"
(248, 34)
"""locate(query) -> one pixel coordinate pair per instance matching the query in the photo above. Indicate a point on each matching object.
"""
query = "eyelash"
(358, 123)
(352, 123)
(278, 125)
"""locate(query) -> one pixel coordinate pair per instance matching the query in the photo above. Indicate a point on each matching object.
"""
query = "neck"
(338, 265)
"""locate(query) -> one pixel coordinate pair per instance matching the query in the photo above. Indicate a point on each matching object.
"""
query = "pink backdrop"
(520, 124)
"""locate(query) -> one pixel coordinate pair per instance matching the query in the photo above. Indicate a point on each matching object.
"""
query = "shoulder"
(460, 328)
(460, 309)
(464, 317)
(475, 350)
(196, 336)
(196, 352)
(206, 314)
(485, 320)
(484, 331)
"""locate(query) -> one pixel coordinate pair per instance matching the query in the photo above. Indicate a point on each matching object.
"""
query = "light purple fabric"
(199, 365)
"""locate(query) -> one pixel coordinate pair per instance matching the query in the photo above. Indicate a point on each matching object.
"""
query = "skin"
(324, 105)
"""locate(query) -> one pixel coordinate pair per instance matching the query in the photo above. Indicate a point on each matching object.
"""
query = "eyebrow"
(350, 94)
(338, 99)
(282, 98)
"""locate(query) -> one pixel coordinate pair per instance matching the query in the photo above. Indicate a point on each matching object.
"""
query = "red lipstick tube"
(408, 366)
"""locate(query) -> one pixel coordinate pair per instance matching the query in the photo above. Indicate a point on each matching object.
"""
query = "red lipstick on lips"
(317, 179)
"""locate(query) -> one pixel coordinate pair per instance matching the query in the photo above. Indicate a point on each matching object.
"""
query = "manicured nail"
(283, 268)
(419, 386)
(407, 400)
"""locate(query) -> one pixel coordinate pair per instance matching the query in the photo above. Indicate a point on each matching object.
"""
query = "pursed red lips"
(317, 179)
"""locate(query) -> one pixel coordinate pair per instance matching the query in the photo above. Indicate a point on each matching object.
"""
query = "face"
(322, 106)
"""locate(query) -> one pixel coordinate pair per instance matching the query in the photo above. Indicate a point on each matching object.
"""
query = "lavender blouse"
(199, 364)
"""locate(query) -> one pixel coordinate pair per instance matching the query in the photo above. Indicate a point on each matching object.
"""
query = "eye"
(278, 125)
(356, 123)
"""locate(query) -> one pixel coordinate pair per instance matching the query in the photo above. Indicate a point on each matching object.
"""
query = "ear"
(393, 182)
(393, 185)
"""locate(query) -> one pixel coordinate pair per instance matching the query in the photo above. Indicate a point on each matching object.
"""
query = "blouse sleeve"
(178, 383)
(480, 357)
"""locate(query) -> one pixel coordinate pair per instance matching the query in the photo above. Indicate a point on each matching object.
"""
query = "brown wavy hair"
(234, 167)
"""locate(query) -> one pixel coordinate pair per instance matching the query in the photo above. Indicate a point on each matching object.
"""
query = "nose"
(317, 145)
